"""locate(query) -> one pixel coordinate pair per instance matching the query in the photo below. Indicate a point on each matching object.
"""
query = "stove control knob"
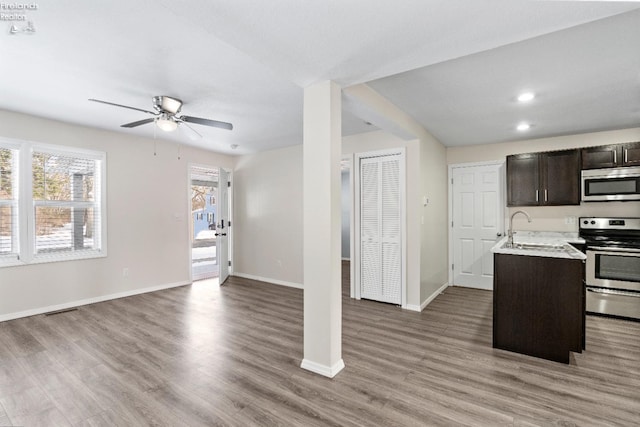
(593, 222)
(585, 222)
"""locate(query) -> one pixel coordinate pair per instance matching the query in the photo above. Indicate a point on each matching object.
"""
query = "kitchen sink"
(551, 245)
(545, 247)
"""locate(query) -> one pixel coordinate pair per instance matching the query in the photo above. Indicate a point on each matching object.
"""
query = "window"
(52, 203)
(8, 203)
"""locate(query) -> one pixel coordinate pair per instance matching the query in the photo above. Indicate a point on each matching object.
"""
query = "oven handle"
(604, 249)
(614, 292)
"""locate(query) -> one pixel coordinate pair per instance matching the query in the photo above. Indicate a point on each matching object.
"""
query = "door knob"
(499, 234)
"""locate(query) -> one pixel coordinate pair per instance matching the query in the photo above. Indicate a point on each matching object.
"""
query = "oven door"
(614, 268)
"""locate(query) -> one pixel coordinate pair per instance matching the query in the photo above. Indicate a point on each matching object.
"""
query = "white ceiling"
(454, 65)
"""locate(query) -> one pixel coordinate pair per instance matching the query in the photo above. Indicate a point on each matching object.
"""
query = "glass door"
(204, 207)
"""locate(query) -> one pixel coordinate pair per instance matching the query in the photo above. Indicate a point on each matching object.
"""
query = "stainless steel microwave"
(602, 185)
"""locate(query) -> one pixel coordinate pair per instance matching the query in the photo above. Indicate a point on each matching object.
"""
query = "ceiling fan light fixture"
(166, 123)
(526, 96)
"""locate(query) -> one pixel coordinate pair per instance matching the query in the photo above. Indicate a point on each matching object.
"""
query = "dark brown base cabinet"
(539, 306)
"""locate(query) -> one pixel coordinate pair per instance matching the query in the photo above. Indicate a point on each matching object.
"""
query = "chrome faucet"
(510, 231)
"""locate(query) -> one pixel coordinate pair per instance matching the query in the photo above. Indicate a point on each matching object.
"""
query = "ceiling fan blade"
(122, 106)
(138, 123)
(191, 132)
(207, 122)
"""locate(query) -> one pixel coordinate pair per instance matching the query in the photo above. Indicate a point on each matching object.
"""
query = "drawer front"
(614, 303)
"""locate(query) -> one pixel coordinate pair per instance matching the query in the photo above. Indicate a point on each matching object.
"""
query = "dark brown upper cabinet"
(544, 179)
(611, 156)
(523, 180)
(560, 178)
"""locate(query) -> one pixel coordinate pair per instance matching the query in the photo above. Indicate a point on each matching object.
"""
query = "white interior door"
(477, 221)
(380, 228)
(222, 225)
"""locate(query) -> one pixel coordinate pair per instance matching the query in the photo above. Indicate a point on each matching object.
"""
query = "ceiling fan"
(165, 116)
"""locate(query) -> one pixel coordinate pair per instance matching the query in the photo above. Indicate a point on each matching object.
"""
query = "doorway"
(347, 226)
(476, 215)
(203, 205)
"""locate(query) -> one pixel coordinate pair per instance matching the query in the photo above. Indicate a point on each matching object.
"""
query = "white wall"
(147, 219)
(552, 218)
(268, 216)
(434, 253)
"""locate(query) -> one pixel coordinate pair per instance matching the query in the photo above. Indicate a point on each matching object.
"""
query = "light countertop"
(559, 240)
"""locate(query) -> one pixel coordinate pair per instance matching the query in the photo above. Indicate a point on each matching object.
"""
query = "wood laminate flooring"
(209, 355)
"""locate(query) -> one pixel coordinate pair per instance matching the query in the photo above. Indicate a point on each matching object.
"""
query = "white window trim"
(26, 205)
(14, 257)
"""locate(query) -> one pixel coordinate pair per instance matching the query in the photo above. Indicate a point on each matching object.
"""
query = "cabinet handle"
(545, 195)
(615, 157)
(537, 196)
(625, 155)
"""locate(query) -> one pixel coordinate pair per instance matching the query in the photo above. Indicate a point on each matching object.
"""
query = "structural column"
(321, 209)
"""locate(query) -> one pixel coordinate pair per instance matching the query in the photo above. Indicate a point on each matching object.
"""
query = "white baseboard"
(412, 307)
(482, 288)
(327, 371)
(268, 280)
(428, 300)
(78, 303)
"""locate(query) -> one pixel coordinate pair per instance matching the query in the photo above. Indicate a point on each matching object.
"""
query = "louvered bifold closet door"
(380, 223)
(370, 245)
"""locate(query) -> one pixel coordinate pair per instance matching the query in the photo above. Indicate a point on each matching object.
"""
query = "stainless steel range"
(613, 266)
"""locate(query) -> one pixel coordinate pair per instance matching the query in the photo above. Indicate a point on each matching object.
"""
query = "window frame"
(14, 203)
(25, 220)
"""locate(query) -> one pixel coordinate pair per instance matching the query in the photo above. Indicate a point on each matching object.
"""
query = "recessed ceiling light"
(523, 126)
(526, 96)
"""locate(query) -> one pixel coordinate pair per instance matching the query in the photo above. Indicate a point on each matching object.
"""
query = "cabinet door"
(605, 156)
(560, 178)
(523, 180)
(537, 305)
(631, 154)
